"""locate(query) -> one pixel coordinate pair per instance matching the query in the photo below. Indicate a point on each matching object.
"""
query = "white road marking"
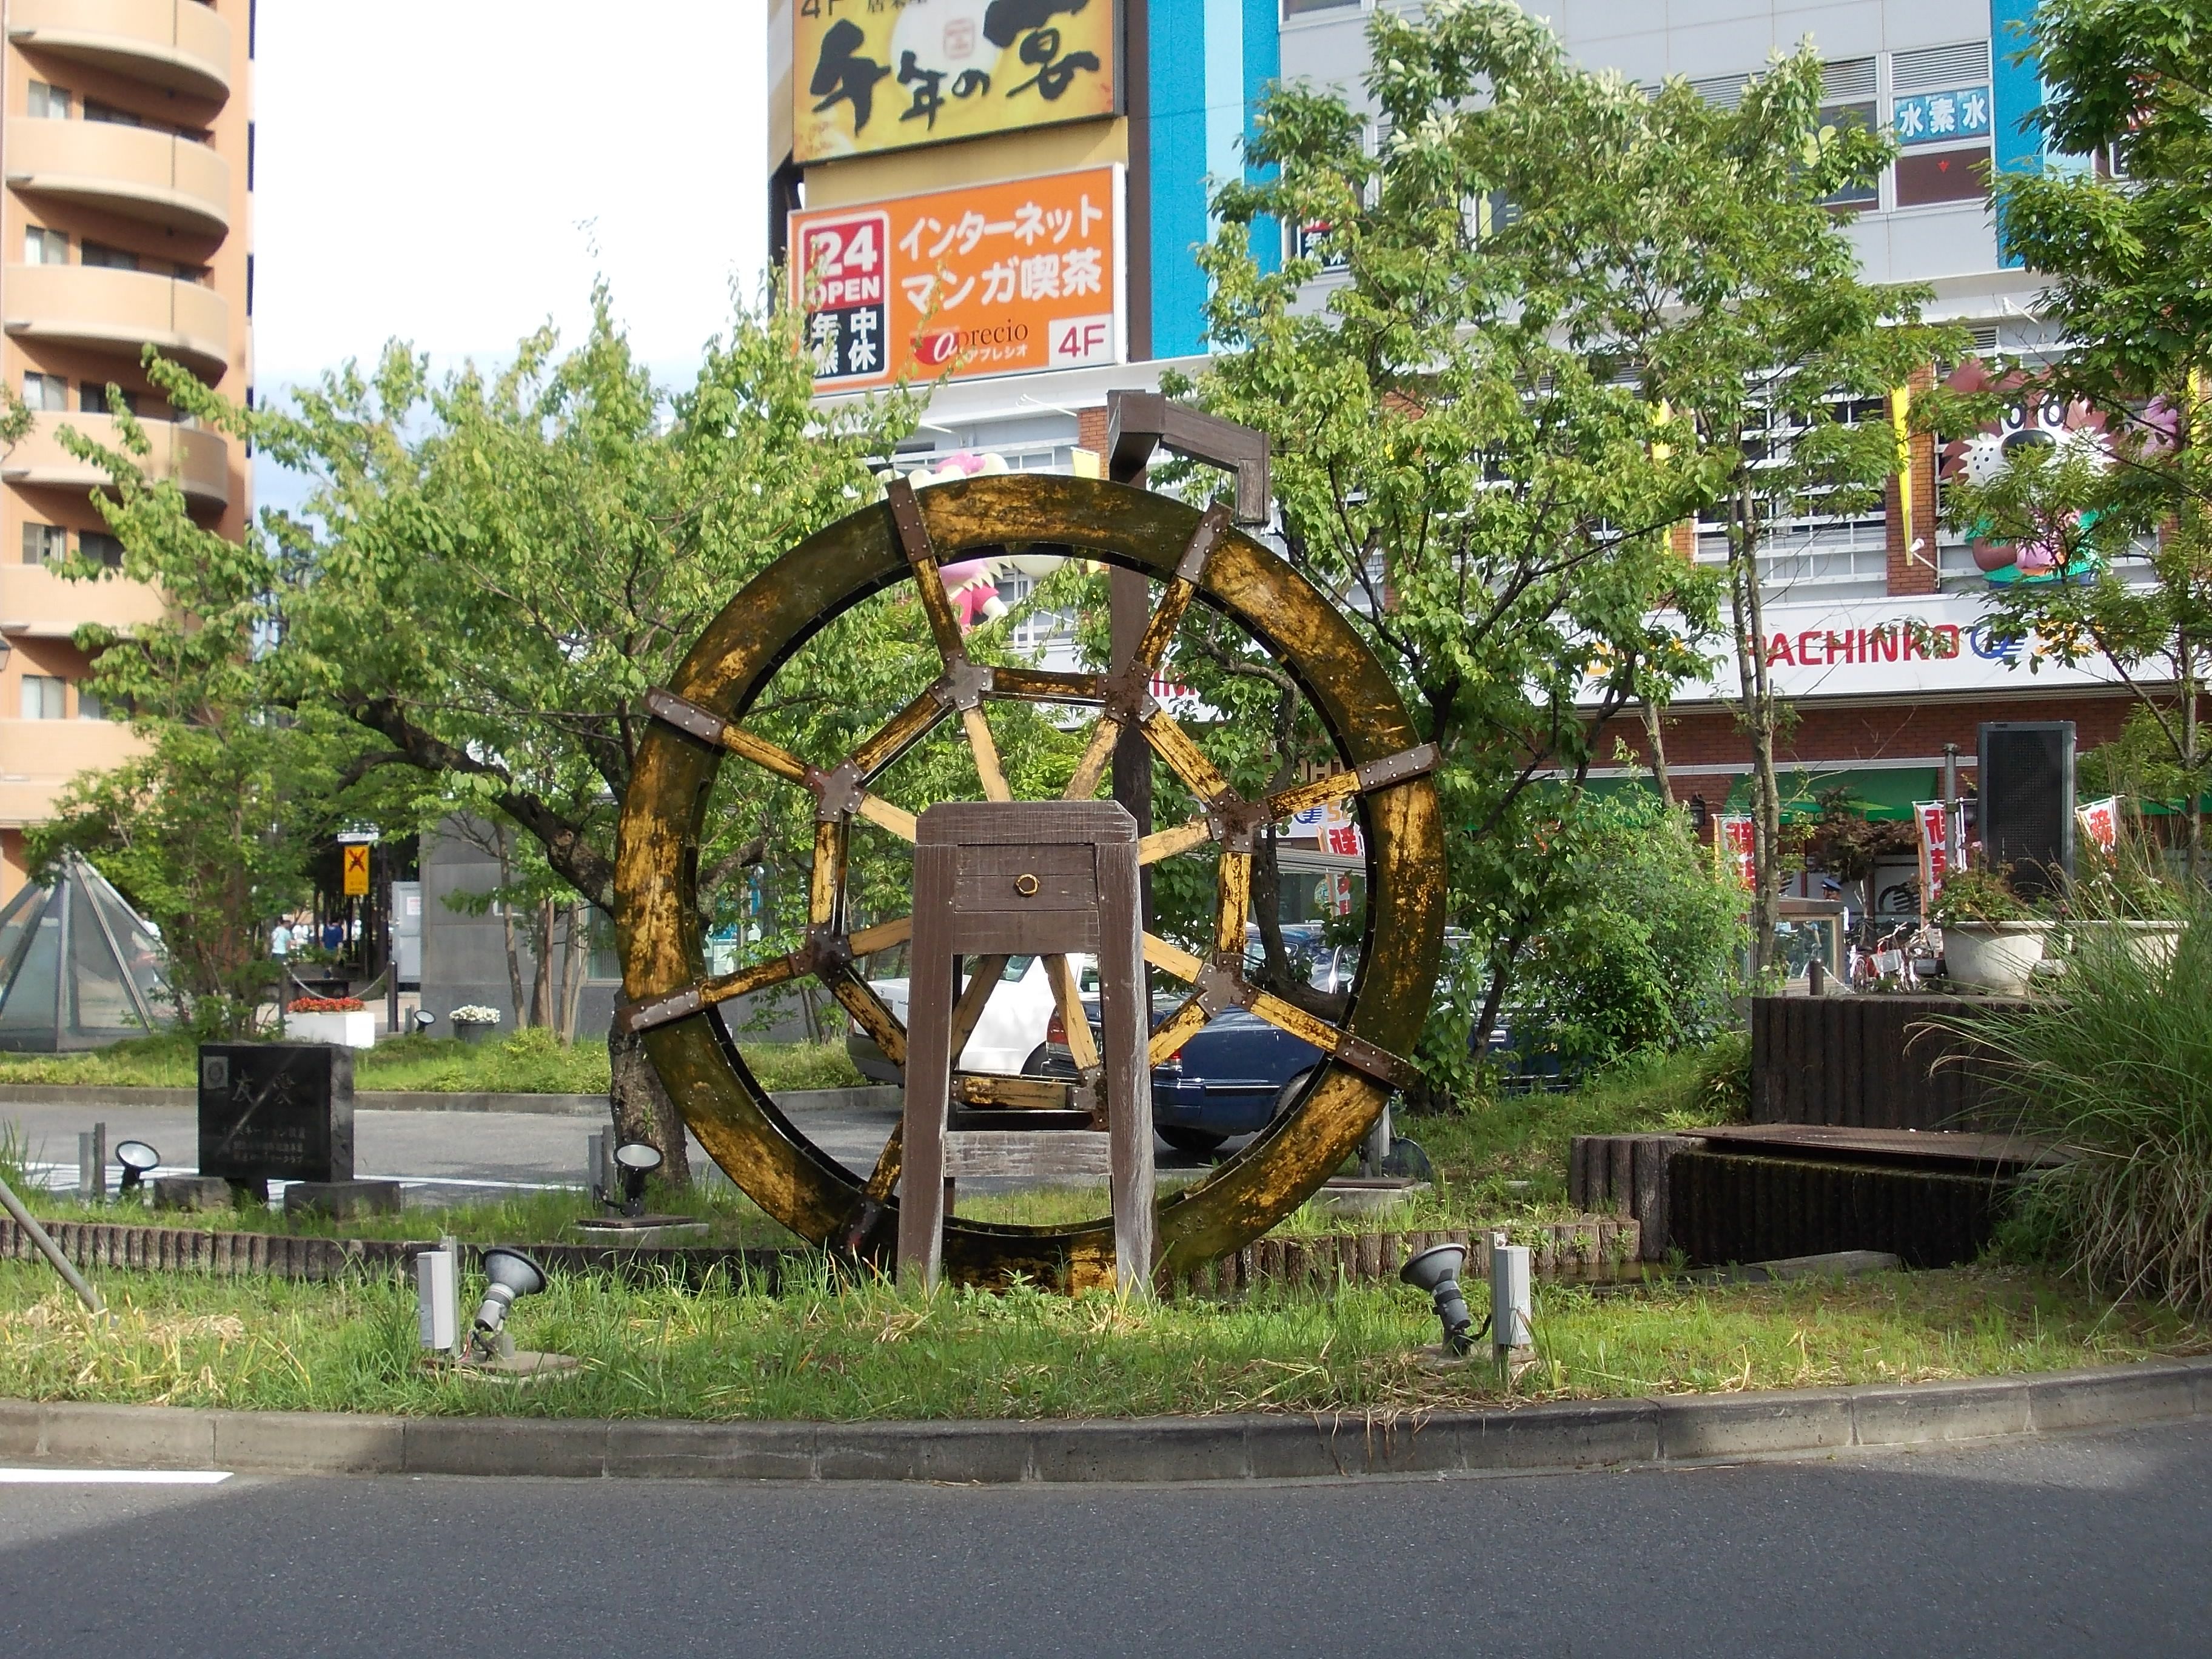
(112, 1477)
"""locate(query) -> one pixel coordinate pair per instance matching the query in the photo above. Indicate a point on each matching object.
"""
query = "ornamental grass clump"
(2116, 1063)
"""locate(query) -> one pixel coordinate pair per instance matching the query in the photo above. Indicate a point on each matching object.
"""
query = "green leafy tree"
(1490, 500)
(2125, 237)
(491, 569)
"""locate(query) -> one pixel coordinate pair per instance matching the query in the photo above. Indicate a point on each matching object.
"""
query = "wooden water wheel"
(1197, 557)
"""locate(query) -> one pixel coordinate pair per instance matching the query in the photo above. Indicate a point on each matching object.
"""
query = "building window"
(42, 247)
(92, 397)
(1302, 8)
(49, 393)
(101, 548)
(1941, 116)
(88, 707)
(45, 543)
(113, 258)
(96, 111)
(49, 103)
(42, 696)
(1926, 176)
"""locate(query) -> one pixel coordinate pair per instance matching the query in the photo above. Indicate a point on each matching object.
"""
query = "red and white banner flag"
(2100, 821)
(1935, 860)
(1734, 844)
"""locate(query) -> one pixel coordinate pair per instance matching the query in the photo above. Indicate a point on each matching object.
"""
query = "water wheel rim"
(664, 812)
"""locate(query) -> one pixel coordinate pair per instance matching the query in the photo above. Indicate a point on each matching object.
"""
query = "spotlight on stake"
(1437, 1272)
(638, 1159)
(138, 1160)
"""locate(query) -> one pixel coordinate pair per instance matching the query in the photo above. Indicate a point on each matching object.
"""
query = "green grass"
(527, 1063)
(825, 1351)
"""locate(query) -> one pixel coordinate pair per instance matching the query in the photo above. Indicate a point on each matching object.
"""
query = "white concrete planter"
(2153, 943)
(1993, 955)
(356, 1030)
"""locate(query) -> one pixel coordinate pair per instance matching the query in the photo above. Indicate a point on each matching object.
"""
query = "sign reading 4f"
(878, 75)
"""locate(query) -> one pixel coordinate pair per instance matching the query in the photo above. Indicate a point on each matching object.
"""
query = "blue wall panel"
(1177, 44)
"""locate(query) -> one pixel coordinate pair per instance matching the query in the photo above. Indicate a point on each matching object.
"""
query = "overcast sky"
(454, 172)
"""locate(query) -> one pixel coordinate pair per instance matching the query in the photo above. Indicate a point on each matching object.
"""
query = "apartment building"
(853, 148)
(125, 221)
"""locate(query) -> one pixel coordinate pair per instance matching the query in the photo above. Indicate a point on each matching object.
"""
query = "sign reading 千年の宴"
(989, 279)
(877, 74)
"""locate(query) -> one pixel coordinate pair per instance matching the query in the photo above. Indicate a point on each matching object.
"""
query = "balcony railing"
(179, 45)
(137, 173)
(198, 462)
(42, 604)
(119, 311)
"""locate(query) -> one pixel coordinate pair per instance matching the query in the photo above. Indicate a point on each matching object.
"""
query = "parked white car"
(1009, 1039)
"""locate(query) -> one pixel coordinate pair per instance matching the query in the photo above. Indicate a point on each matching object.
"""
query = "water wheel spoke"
(858, 998)
(1177, 1028)
(1160, 627)
(1172, 959)
(975, 996)
(1233, 903)
(1357, 780)
(1082, 1047)
(928, 580)
(1167, 843)
(1046, 685)
(1098, 754)
(881, 936)
(1173, 744)
(1331, 1040)
(900, 734)
(709, 727)
(986, 751)
(885, 816)
(825, 882)
(884, 1178)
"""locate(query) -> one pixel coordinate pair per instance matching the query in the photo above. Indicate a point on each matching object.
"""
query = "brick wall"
(1090, 429)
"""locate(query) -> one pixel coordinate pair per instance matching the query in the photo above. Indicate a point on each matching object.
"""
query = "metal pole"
(49, 1249)
(1950, 807)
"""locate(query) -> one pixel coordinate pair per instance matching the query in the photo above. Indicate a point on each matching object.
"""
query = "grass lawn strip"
(830, 1351)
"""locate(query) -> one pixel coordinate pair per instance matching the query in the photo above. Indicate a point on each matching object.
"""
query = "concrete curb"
(1581, 1435)
(428, 1100)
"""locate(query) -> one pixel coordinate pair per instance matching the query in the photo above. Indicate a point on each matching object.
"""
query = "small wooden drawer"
(1061, 876)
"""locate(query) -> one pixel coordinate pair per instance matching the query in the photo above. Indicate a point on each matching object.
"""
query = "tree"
(2124, 235)
(207, 831)
(1492, 502)
(491, 569)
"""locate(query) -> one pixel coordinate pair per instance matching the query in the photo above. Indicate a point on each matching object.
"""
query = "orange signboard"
(876, 74)
(356, 870)
(989, 279)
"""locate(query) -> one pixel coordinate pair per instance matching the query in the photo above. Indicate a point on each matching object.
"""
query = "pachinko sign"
(989, 279)
(1935, 851)
(1736, 844)
(876, 74)
(2101, 821)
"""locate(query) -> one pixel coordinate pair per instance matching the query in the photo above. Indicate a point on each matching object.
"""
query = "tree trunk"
(576, 967)
(541, 981)
(1656, 737)
(640, 1108)
(1760, 719)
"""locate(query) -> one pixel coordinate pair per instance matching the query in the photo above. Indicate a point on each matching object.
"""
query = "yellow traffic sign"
(356, 871)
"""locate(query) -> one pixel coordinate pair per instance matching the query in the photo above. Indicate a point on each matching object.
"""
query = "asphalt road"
(2080, 1545)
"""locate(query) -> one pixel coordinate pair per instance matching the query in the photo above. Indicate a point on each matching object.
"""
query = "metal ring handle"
(1026, 886)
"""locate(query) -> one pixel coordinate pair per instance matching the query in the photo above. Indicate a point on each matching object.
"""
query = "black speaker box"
(2026, 802)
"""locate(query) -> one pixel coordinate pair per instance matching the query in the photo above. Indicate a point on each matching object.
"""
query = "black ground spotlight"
(513, 1272)
(425, 1019)
(1437, 1272)
(138, 1160)
(638, 1159)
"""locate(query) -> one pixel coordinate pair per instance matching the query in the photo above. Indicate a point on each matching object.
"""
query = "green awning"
(1877, 793)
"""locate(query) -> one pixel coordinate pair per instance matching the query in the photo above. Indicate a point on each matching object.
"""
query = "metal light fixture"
(138, 1160)
(1701, 816)
(638, 1159)
(1436, 1270)
(425, 1019)
(513, 1274)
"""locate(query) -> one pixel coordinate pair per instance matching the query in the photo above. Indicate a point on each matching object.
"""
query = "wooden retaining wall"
(1591, 1247)
(1870, 1061)
(1732, 1206)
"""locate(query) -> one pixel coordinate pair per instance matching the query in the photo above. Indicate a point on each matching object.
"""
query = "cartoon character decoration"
(2032, 419)
(973, 584)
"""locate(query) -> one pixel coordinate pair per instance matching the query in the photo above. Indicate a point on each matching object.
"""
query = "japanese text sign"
(1734, 840)
(356, 871)
(2101, 821)
(1932, 816)
(1942, 118)
(992, 279)
(878, 74)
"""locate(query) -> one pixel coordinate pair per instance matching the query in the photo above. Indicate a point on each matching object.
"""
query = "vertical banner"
(1735, 845)
(988, 279)
(2101, 821)
(1933, 861)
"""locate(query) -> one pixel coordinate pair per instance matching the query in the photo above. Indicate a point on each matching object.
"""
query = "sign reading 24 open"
(990, 279)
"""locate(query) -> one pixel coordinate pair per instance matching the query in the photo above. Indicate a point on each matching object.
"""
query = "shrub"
(2118, 1066)
(1983, 895)
(325, 1006)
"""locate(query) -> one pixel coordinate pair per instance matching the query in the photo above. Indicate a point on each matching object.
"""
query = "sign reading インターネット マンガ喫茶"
(876, 74)
(990, 279)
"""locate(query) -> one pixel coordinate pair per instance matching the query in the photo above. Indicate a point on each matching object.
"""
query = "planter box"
(2151, 943)
(469, 1031)
(1993, 955)
(355, 1031)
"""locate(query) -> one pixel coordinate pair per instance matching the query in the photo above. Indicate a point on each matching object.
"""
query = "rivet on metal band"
(905, 519)
(686, 716)
(662, 1011)
(1212, 525)
(1413, 763)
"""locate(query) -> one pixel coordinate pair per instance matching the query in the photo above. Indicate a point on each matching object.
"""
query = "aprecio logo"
(940, 346)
